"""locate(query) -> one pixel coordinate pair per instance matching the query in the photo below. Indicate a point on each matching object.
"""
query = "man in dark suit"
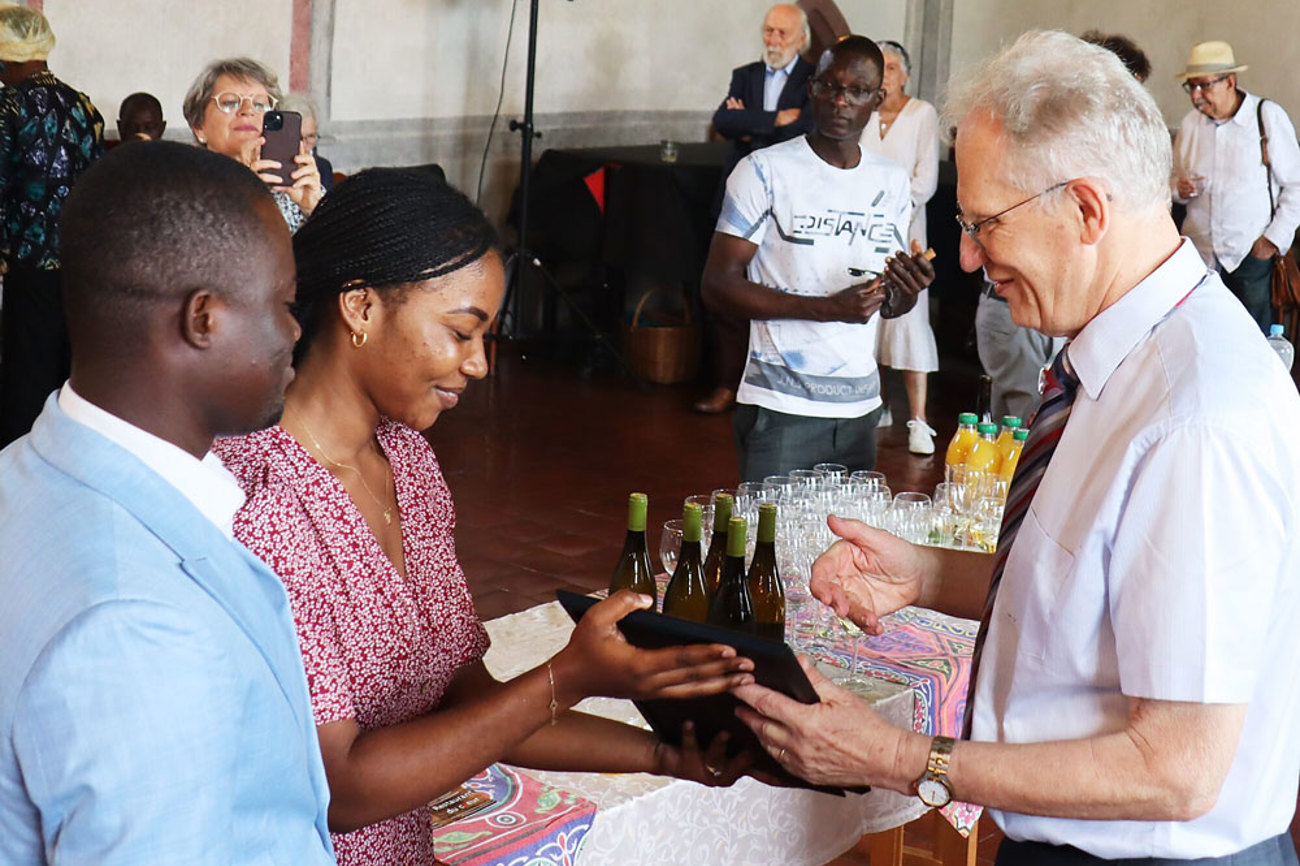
(767, 104)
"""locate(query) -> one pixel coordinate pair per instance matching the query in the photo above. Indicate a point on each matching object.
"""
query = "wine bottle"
(687, 596)
(732, 606)
(718, 543)
(765, 580)
(633, 570)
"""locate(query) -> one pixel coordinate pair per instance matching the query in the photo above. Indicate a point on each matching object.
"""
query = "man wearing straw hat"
(49, 134)
(1239, 213)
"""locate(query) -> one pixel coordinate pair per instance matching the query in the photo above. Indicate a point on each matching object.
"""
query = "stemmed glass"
(852, 679)
(670, 544)
(912, 516)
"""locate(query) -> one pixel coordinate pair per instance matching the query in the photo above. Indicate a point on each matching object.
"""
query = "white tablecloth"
(650, 820)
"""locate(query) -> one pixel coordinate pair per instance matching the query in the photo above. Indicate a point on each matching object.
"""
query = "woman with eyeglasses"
(906, 130)
(224, 108)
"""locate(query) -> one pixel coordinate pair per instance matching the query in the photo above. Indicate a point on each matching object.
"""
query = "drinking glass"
(705, 501)
(852, 679)
(832, 470)
(670, 544)
(877, 506)
(804, 477)
(869, 478)
(912, 516)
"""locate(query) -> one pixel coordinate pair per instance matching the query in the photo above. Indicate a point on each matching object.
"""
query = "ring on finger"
(780, 756)
(713, 771)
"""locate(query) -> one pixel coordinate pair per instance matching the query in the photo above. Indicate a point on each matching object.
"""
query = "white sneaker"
(920, 437)
(886, 419)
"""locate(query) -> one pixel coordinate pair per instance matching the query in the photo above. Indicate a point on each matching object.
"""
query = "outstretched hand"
(709, 766)
(599, 661)
(867, 573)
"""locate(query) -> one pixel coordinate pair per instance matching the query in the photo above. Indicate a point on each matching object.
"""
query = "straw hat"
(1210, 58)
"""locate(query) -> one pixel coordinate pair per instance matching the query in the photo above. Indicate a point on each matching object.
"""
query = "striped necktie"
(1045, 430)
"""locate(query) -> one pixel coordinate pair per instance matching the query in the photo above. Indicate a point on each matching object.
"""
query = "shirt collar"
(1112, 334)
(205, 483)
(787, 69)
(1245, 113)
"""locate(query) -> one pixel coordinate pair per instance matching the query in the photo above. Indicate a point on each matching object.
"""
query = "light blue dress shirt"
(774, 82)
(153, 705)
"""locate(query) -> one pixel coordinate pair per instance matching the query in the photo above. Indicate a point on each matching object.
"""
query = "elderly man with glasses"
(1239, 212)
(1135, 688)
(805, 227)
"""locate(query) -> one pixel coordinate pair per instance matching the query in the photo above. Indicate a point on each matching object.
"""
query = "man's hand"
(867, 574)
(735, 104)
(856, 304)
(837, 741)
(904, 278)
(1263, 248)
(787, 116)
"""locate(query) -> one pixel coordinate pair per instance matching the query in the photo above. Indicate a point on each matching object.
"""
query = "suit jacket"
(153, 704)
(752, 121)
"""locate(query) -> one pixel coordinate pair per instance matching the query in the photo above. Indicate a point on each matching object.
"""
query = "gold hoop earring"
(359, 340)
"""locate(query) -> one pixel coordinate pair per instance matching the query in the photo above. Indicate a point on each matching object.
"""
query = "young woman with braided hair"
(398, 281)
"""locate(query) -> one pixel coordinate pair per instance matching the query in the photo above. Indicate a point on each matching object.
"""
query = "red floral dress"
(378, 648)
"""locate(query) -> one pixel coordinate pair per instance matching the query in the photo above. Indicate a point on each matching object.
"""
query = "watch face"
(933, 792)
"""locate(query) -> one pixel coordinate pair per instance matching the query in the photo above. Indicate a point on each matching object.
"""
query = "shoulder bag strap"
(1263, 152)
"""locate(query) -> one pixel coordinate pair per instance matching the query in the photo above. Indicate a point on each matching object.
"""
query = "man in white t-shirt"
(802, 223)
(1136, 692)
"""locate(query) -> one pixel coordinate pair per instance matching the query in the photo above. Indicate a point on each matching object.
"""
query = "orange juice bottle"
(1013, 456)
(1010, 423)
(961, 442)
(984, 456)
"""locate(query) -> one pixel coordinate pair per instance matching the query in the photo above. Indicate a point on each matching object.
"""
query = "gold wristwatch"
(933, 787)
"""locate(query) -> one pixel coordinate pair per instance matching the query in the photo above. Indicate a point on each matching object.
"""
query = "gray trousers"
(773, 443)
(1012, 356)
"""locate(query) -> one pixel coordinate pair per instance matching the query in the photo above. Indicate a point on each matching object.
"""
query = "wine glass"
(912, 516)
(836, 471)
(852, 679)
(670, 544)
(705, 501)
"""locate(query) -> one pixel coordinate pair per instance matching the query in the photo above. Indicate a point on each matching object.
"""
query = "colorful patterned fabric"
(49, 135)
(931, 653)
(530, 824)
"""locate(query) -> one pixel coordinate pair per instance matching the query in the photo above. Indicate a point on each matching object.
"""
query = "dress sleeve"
(274, 526)
(925, 170)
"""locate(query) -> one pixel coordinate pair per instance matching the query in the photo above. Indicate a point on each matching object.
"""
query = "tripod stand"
(522, 260)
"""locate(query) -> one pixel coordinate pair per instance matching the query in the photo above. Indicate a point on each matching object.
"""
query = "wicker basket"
(663, 354)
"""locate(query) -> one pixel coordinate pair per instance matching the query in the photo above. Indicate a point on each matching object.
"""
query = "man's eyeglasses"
(1193, 86)
(972, 230)
(853, 94)
(229, 102)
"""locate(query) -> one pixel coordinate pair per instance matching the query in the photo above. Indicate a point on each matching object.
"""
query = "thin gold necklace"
(388, 509)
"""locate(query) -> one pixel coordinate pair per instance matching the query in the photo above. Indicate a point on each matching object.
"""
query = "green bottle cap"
(1011, 421)
(967, 418)
(767, 522)
(722, 509)
(737, 529)
(637, 505)
(987, 428)
(1021, 434)
(692, 519)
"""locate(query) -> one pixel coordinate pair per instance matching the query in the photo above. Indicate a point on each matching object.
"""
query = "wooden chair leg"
(951, 848)
(887, 848)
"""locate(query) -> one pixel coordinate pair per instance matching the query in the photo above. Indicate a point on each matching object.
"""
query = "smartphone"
(283, 133)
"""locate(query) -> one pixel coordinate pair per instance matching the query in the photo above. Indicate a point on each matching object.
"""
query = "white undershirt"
(206, 483)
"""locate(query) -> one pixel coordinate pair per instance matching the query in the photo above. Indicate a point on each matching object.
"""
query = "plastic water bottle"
(1281, 345)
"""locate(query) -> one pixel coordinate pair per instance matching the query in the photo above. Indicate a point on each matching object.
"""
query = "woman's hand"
(304, 186)
(867, 574)
(709, 767)
(599, 661)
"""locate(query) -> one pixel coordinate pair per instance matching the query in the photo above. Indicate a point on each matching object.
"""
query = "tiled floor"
(540, 463)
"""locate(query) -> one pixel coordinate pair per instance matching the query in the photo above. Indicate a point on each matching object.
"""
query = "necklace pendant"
(388, 516)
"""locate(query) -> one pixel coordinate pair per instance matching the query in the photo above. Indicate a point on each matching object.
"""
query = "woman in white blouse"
(906, 130)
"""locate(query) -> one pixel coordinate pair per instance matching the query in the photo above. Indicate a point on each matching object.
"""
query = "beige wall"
(1262, 34)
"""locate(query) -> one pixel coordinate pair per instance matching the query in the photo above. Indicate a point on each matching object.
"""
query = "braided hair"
(383, 228)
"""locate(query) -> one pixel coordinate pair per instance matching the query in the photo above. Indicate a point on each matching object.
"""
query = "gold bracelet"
(554, 705)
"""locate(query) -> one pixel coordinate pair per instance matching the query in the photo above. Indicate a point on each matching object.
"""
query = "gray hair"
(1069, 109)
(803, 24)
(196, 98)
(301, 103)
(889, 46)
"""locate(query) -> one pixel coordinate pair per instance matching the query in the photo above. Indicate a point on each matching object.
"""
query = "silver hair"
(1069, 109)
(889, 46)
(196, 98)
(803, 24)
(301, 103)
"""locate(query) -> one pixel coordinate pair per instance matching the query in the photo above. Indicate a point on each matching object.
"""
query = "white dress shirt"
(1232, 212)
(206, 483)
(1160, 559)
(774, 82)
